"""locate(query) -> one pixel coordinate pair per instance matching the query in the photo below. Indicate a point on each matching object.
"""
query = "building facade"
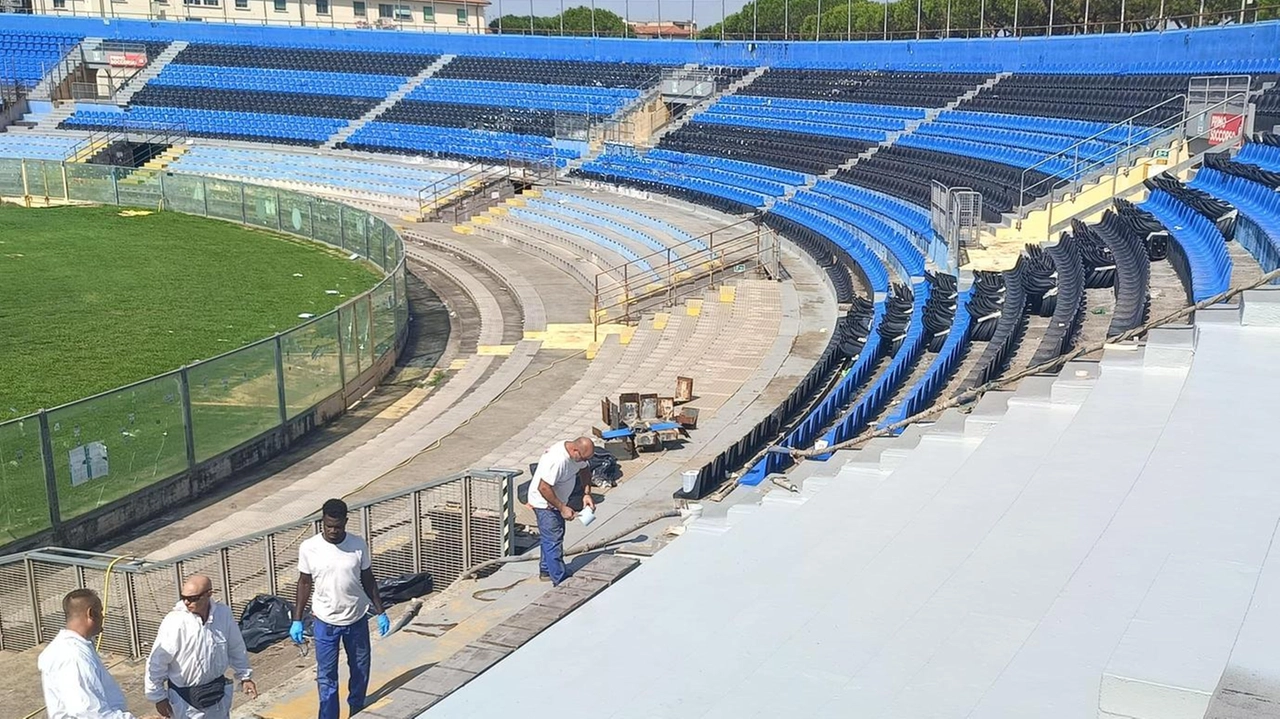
(465, 16)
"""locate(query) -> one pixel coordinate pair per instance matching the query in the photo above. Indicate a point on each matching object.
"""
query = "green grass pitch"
(94, 298)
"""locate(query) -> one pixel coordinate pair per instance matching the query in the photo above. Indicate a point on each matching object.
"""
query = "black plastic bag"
(265, 621)
(605, 471)
(403, 588)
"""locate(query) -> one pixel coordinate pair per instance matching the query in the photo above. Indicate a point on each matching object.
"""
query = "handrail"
(1080, 170)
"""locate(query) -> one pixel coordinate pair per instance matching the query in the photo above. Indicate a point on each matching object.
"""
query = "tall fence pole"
(50, 475)
(280, 394)
(188, 426)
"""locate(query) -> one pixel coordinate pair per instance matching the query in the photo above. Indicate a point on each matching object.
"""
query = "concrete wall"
(1204, 49)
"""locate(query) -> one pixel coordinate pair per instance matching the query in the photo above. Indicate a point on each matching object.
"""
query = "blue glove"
(295, 632)
(384, 625)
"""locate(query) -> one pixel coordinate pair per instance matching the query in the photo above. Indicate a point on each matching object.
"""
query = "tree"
(575, 21)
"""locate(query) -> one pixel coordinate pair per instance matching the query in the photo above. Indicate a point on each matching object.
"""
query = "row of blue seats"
(1265, 156)
(679, 235)
(1012, 156)
(764, 172)
(271, 80)
(926, 389)
(1080, 129)
(808, 128)
(1087, 151)
(872, 401)
(750, 183)
(806, 431)
(1199, 239)
(607, 223)
(616, 167)
(855, 108)
(310, 164)
(37, 147)
(1259, 203)
(549, 219)
(911, 217)
(566, 98)
(906, 256)
(461, 142)
(1198, 67)
(218, 123)
(862, 255)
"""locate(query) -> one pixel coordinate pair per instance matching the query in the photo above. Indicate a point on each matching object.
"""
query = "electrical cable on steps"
(974, 394)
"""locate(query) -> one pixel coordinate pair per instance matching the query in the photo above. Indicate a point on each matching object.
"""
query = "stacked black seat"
(1068, 314)
(550, 72)
(823, 251)
(1009, 330)
(1223, 163)
(898, 308)
(851, 334)
(1099, 98)
(294, 58)
(1267, 116)
(272, 103)
(1220, 213)
(523, 121)
(797, 151)
(907, 173)
(1133, 273)
(939, 309)
(986, 300)
(912, 89)
(1095, 255)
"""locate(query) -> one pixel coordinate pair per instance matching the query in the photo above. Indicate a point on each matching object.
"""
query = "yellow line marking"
(494, 350)
(458, 363)
(660, 320)
(405, 404)
(728, 293)
(572, 336)
(693, 307)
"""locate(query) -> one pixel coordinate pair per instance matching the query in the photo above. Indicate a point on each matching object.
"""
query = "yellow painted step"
(728, 293)
(693, 307)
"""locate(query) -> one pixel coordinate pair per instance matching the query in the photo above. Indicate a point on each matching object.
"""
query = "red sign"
(1224, 127)
(127, 59)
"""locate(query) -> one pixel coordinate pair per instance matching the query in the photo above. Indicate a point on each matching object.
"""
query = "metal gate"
(1217, 109)
(956, 214)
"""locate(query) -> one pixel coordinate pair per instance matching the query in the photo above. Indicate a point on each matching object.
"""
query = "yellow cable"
(106, 586)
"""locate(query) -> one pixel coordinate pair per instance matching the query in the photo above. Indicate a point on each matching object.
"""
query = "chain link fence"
(65, 462)
(440, 527)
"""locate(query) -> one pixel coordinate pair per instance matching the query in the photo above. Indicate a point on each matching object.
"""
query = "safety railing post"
(509, 520)
(415, 502)
(188, 428)
(33, 596)
(467, 509)
(50, 476)
(342, 352)
(280, 393)
(244, 210)
(131, 615)
(224, 575)
(269, 558)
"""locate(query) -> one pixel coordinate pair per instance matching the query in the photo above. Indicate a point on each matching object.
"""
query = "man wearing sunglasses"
(198, 641)
(335, 574)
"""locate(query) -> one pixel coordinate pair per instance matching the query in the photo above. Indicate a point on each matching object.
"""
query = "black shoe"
(544, 577)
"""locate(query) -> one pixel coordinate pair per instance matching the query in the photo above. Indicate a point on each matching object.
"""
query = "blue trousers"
(551, 532)
(355, 641)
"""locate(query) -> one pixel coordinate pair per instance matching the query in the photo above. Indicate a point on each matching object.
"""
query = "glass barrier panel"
(311, 363)
(295, 214)
(48, 176)
(109, 446)
(350, 355)
(91, 183)
(328, 221)
(234, 398)
(353, 223)
(260, 205)
(11, 178)
(363, 346)
(224, 199)
(402, 297)
(140, 188)
(184, 193)
(384, 315)
(24, 502)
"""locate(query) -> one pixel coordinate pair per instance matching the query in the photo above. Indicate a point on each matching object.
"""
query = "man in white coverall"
(75, 681)
(198, 641)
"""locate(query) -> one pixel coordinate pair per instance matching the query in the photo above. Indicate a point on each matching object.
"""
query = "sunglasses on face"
(192, 598)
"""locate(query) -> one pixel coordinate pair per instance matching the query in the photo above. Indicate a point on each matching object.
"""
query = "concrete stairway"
(712, 99)
(59, 72)
(153, 68)
(393, 98)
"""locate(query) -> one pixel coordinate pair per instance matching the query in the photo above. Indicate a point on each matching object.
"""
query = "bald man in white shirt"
(198, 641)
(75, 681)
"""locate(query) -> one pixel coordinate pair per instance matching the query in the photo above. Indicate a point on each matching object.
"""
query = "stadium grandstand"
(936, 372)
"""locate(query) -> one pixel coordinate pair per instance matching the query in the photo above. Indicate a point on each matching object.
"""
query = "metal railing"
(625, 291)
(441, 527)
(1138, 137)
(181, 421)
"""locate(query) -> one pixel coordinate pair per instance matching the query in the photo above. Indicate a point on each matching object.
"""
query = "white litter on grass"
(354, 256)
(297, 274)
(305, 316)
(331, 292)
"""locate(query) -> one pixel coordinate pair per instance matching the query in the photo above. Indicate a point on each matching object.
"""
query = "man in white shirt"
(560, 469)
(75, 681)
(198, 641)
(335, 574)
